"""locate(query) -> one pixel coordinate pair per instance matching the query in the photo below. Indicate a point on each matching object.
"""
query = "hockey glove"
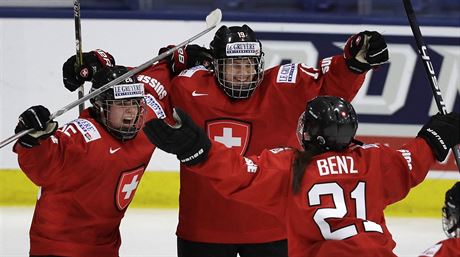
(442, 132)
(93, 61)
(36, 117)
(365, 50)
(185, 139)
(187, 57)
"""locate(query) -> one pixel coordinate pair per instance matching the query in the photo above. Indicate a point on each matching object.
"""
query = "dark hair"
(299, 165)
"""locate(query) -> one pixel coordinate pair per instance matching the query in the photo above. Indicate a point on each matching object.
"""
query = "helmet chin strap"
(453, 228)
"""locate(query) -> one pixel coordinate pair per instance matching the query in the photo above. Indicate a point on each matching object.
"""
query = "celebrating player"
(155, 79)
(249, 109)
(451, 226)
(331, 196)
(88, 170)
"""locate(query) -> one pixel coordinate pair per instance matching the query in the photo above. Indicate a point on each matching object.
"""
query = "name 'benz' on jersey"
(336, 165)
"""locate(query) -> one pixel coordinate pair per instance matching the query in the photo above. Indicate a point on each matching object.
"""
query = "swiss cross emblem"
(127, 185)
(84, 73)
(232, 133)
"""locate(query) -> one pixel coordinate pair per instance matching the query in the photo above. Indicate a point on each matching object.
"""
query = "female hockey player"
(88, 170)
(330, 196)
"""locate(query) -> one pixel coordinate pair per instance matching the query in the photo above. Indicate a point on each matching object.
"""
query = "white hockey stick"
(212, 20)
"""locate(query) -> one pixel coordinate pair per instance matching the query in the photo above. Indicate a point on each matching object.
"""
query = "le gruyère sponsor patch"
(155, 106)
(287, 73)
(189, 72)
(242, 49)
(87, 129)
(128, 90)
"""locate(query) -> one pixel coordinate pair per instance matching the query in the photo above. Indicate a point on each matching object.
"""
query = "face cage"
(450, 222)
(124, 132)
(237, 85)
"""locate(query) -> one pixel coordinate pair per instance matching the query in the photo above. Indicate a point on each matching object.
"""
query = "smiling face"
(239, 71)
(238, 60)
(240, 76)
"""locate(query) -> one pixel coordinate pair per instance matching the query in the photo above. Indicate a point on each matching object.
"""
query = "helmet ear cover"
(127, 94)
(329, 123)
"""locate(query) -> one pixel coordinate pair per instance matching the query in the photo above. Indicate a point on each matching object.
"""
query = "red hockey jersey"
(339, 209)
(447, 248)
(87, 179)
(267, 119)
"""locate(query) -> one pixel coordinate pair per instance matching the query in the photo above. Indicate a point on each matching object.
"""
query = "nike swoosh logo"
(194, 93)
(112, 151)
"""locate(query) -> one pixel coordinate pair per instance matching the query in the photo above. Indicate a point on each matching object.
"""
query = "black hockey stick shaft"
(78, 47)
(212, 20)
(431, 75)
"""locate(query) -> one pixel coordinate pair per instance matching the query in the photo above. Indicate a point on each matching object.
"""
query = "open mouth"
(128, 122)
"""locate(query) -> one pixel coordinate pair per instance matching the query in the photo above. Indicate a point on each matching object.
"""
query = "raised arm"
(344, 75)
(408, 166)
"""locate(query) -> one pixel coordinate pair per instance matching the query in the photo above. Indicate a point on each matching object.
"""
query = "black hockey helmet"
(227, 35)
(329, 123)
(128, 95)
(234, 48)
(451, 212)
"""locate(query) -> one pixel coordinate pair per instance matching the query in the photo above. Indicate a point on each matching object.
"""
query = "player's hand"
(93, 61)
(187, 57)
(365, 50)
(185, 139)
(442, 132)
(36, 117)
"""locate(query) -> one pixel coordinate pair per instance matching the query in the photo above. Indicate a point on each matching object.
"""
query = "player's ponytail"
(299, 165)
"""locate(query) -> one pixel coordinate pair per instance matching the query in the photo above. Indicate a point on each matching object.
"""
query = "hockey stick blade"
(212, 19)
(431, 75)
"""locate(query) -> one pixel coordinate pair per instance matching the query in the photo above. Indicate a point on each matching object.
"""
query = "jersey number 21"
(340, 210)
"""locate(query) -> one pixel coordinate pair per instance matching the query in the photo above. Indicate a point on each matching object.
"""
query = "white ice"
(150, 233)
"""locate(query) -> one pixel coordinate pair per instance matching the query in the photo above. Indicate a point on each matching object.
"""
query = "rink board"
(161, 190)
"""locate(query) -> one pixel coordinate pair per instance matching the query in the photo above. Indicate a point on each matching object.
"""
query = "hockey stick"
(428, 68)
(79, 55)
(212, 20)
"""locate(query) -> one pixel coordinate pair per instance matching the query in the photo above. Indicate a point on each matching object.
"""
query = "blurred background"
(370, 8)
